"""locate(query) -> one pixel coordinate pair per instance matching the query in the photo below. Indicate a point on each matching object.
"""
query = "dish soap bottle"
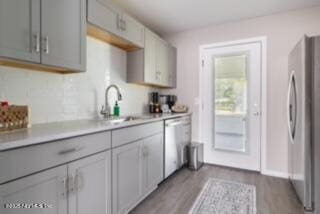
(116, 110)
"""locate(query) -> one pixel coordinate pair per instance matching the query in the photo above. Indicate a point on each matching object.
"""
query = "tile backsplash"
(56, 97)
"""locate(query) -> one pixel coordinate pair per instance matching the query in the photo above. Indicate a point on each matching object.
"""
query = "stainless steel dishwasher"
(177, 136)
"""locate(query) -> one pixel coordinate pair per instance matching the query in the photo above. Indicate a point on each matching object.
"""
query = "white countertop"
(42, 133)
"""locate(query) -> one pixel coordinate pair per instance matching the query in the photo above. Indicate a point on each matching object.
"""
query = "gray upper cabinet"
(133, 31)
(63, 26)
(162, 62)
(154, 65)
(105, 15)
(20, 30)
(172, 67)
(150, 73)
(46, 188)
(49, 34)
(109, 18)
(91, 179)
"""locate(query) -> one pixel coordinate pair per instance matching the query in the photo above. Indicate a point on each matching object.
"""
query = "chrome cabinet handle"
(37, 42)
(68, 151)
(124, 25)
(118, 22)
(46, 49)
(64, 187)
(71, 184)
(144, 151)
(79, 181)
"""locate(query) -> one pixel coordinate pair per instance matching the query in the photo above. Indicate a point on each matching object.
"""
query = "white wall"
(56, 97)
(282, 31)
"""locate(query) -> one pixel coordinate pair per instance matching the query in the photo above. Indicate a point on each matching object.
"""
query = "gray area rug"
(225, 197)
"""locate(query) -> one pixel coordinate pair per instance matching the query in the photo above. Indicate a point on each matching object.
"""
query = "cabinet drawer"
(127, 135)
(24, 161)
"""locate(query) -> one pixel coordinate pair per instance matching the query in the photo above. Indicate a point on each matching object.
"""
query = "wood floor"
(177, 194)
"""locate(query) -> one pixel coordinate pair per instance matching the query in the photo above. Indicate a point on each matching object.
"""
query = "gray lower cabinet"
(152, 162)
(127, 177)
(80, 187)
(48, 187)
(90, 185)
(137, 169)
(20, 30)
(50, 34)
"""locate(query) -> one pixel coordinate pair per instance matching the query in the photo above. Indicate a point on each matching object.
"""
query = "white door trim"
(263, 41)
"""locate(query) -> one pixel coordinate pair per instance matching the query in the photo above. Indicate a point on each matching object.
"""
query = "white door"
(230, 115)
(90, 185)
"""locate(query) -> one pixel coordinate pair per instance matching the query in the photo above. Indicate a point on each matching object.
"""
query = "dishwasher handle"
(177, 124)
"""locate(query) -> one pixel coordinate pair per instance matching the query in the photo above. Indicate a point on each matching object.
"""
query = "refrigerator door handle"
(289, 107)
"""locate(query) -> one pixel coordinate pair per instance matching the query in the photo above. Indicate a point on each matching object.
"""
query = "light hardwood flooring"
(177, 194)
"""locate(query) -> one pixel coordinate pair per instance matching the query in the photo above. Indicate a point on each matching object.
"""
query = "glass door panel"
(230, 101)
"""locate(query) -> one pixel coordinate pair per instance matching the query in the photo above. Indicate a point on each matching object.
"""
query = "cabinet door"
(20, 30)
(127, 177)
(105, 15)
(162, 62)
(152, 151)
(172, 67)
(63, 26)
(90, 185)
(150, 46)
(45, 188)
(133, 31)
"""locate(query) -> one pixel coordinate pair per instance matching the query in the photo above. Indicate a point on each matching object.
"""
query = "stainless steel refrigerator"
(304, 122)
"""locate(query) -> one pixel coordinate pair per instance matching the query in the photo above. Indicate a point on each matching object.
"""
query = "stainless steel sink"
(119, 120)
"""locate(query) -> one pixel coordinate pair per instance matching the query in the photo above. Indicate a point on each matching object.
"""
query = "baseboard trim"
(275, 174)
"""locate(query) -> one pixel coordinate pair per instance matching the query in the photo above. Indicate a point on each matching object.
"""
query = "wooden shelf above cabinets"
(109, 38)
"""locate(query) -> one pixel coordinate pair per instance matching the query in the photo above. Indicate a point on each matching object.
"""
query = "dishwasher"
(177, 137)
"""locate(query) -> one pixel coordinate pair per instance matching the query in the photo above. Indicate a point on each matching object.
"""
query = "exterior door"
(63, 26)
(20, 30)
(90, 185)
(45, 189)
(231, 90)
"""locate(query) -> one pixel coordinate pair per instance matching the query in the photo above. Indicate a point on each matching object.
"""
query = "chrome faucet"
(106, 109)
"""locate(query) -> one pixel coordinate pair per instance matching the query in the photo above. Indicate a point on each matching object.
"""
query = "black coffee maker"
(154, 106)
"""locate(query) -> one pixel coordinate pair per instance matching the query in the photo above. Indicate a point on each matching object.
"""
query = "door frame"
(263, 132)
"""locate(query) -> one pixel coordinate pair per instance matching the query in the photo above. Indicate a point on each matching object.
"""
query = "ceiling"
(170, 16)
